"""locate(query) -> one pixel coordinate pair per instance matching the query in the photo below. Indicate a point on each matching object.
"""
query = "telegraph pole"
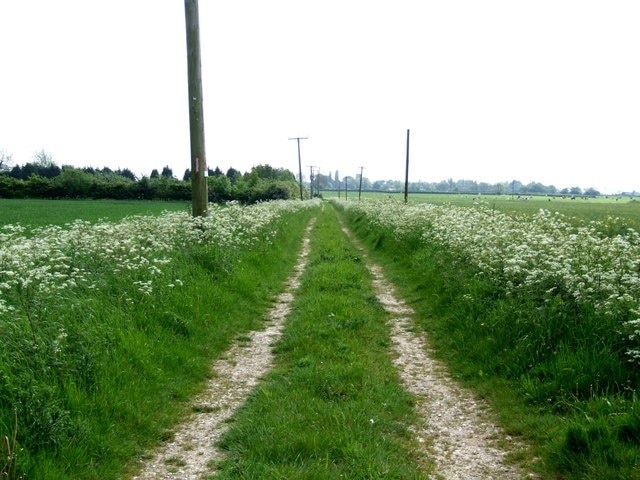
(299, 162)
(360, 188)
(406, 174)
(199, 193)
(311, 177)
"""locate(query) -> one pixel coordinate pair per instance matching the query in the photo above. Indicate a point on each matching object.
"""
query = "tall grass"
(332, 407)
(117, 327)
(553, 356)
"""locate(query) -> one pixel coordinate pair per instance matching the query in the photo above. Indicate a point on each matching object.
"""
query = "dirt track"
(455, 438)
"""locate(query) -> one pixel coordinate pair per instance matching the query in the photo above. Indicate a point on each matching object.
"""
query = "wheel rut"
(192, 453)
(456, 435)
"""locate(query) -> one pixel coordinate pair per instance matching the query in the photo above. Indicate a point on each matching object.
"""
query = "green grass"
(555, 372)
(98, 380)
(332, 407)
(34, 213)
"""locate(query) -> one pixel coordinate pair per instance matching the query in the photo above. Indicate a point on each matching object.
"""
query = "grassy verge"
(99, 375)
(619, 212)
(332, 407)
(555, 371)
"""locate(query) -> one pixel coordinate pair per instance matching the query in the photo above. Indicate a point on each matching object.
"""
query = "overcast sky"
(545, 90)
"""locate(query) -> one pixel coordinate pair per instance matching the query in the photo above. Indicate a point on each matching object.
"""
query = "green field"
(32, 213)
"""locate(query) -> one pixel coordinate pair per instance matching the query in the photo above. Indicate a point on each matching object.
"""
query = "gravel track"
(191, 454)
(455, 438)
(456, 434)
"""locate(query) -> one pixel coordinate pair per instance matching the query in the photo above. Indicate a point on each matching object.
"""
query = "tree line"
(42, 178)
(329, 182)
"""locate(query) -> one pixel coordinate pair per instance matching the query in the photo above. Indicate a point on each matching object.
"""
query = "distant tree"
(378, 185)
(591, 192)
(126, 173)
(167, 172)
(5, 161)
(484, 187)
(233, 175)
(575, 191)
(516, 187)
(217, 173)
(535, 188)
(143, 189)
(219, 188)
(44, 164)
(269, 173)
(154, 174)
(42, 158)
(187, 175)
(73, 183)
(324, 182)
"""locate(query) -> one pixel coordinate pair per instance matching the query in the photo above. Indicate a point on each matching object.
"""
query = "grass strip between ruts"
(333, 406)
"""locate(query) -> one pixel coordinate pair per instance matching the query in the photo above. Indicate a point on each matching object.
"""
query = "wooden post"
(299, 162)
(360, 188)
(199, 192)
(406, 174)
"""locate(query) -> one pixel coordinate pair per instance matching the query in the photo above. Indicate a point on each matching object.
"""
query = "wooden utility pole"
(360, 188)
(199, 192)
(299, 161)
(311, 177)
(406, 174)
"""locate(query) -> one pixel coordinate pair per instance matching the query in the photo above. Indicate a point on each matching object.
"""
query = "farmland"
(32, 213)
(112, 312)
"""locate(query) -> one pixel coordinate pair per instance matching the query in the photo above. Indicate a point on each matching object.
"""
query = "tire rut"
(456, 434)
(191, 454)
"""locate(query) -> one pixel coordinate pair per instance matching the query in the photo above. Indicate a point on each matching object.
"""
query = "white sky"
(492, 90)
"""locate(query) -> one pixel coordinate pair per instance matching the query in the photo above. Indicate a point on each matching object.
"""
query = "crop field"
(111, 314)
(32, 213)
